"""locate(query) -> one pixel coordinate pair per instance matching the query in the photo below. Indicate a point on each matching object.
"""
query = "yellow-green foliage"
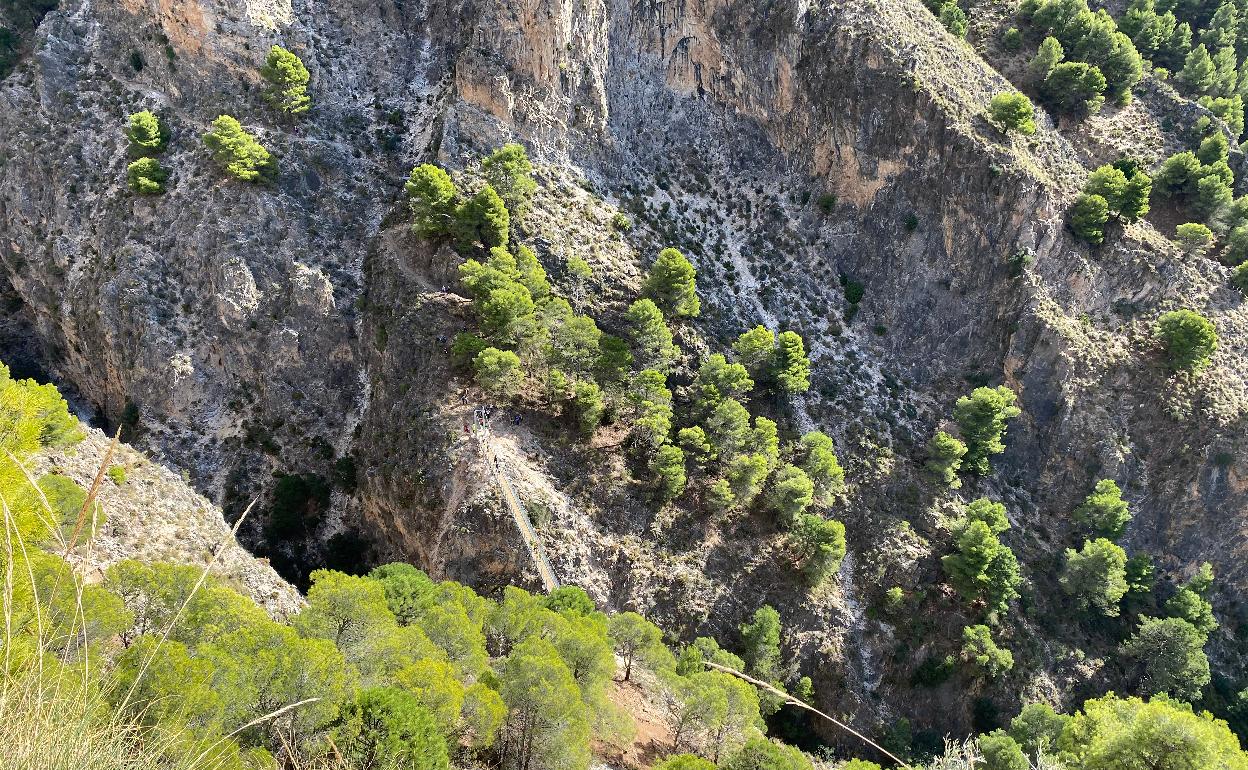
(237, 151)
(190, 674)
(286, 82)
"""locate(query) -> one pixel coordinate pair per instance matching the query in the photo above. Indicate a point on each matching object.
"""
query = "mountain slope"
(301, 328)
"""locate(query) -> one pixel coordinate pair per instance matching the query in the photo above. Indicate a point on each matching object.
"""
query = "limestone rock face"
(299, 327)
(152, 515)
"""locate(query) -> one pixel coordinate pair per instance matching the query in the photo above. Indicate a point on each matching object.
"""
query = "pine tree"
(1096, 576)
(1134, 202)
(671, 285)
(1188, 340)
(982, 568)
(760, 643)
(979, 649)
(981, 417)
(238, 152)
(1088, 217)
(1104, 511)
(792, 368)
(1223, 29)
(431, 195)
(1198, 71)
(756, 349)
(147, 134)
(483, 218)
(286, 86)
(146, 176)
(652, 340)
(1075, 88)
(944, 458)
(1013, 112)
(1225, 75)
(1122, 67)
(1048, 56)
(510, 174)
(499, 372)
(791, 493)
(821, 465)
(668, 466)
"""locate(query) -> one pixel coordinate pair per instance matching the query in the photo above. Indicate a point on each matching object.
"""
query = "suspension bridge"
(481, 429)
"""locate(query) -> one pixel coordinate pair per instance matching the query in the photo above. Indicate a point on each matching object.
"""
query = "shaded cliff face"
(300, 328)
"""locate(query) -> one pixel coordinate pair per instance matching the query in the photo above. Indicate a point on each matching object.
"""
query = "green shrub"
(1074, 88)
(981, 417)
(1239, 277)
(953, 18)
(672, 286)
(944, 458)
(933, 671)
(1088, 217)
(146, 176)
(483, 219)
(979, 649)
(499, 372)
(1096, 576)
(1012, 40)
(238, 152)
(1012, 111)
(431, 195)
(1193, 238)
(286, 82)
(299, 501)
(1187, 338)
(117, 474)
(620, 222)
(510, 174)
(147, 134)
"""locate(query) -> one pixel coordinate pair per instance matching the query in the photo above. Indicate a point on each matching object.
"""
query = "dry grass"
(67, 724)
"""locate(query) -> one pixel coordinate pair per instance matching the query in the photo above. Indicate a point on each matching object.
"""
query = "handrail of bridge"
(518, 513)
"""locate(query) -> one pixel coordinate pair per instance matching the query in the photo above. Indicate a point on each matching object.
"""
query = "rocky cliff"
(245, 332)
